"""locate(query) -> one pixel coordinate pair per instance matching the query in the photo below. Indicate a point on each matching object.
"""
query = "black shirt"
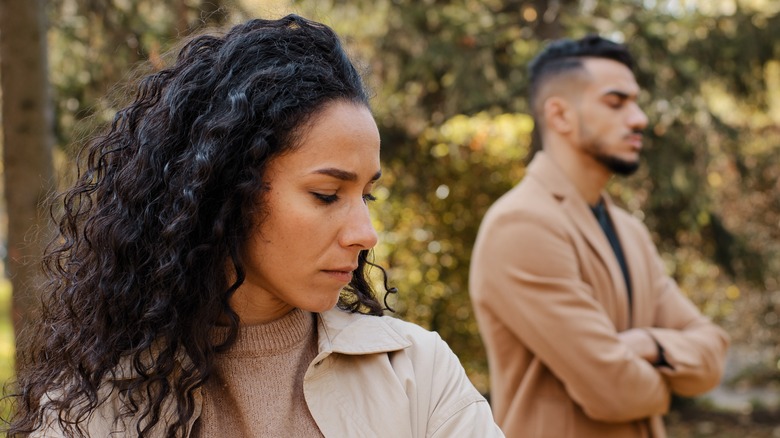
(600, 211)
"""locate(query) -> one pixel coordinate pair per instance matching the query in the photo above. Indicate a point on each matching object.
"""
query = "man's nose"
(637, 118)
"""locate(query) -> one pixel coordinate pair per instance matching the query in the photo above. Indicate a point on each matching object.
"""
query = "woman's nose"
(358, 230)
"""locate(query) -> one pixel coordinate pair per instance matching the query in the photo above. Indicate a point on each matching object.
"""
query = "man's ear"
(559, 115)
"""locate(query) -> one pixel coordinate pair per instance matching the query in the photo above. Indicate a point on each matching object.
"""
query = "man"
(585, 333)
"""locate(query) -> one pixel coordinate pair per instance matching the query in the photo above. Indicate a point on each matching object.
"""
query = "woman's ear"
(559, 115)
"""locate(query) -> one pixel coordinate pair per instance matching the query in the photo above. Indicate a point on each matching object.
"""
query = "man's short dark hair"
(566, 54)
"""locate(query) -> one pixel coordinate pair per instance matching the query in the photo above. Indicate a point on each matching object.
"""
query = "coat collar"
(338, 331)
(551, 176)
(342, 332)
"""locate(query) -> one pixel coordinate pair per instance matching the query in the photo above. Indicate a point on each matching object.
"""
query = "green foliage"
(94, 45)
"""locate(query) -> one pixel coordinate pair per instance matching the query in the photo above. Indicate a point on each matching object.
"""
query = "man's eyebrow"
(622, 95)
(344, 175)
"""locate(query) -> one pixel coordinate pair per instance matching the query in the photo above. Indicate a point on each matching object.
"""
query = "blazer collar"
(342, 332)
(551, 177)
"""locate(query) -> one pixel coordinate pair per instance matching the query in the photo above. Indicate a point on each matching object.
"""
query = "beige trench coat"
(550, 298)
(373, 377)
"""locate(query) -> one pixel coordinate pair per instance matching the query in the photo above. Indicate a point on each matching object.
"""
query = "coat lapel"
(579, 213)
(336, 384)
(641, 313)
(631, 261)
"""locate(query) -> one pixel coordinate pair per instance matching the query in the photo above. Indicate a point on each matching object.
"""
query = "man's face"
(611, 122)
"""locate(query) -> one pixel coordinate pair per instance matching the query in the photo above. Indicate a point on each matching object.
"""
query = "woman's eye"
(326, 199)
(368, 197)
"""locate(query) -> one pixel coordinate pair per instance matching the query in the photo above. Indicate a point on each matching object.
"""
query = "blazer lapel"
(637, 270)
(577, 210)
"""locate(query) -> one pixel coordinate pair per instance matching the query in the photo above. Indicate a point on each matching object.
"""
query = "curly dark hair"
(164, 203)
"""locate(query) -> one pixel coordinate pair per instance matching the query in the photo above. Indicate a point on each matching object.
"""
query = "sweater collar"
(270, 338)
(338, 331)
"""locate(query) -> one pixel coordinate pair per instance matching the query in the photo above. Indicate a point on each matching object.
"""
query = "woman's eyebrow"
(344, 175)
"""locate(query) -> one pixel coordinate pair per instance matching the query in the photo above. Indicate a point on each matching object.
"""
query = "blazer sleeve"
(531, 282)
(694, 347)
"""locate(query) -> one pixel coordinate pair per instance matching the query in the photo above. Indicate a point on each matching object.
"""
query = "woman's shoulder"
(410, 329)
(355, 330)
(364, 334)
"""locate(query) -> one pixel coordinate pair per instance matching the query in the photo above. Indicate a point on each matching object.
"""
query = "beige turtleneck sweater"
(256, 389)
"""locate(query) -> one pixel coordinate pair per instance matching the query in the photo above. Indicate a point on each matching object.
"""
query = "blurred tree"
(85, 34)
(27, 144)
(98, 44)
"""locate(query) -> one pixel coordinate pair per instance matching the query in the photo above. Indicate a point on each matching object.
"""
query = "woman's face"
(304, 251)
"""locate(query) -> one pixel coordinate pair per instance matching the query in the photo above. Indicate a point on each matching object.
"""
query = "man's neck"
(589, 176)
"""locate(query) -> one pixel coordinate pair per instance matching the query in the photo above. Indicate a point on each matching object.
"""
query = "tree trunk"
(27, 147)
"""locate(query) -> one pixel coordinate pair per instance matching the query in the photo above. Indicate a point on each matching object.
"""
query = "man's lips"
(635, 140)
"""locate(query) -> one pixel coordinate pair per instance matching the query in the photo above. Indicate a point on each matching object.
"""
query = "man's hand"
(641, 343)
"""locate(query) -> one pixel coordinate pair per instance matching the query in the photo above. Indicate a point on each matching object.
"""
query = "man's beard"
(616, 165)
(611, 162)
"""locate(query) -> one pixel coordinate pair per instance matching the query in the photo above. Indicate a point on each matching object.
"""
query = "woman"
(204, 249)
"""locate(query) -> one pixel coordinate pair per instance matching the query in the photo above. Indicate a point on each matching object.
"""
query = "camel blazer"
(550, 298)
